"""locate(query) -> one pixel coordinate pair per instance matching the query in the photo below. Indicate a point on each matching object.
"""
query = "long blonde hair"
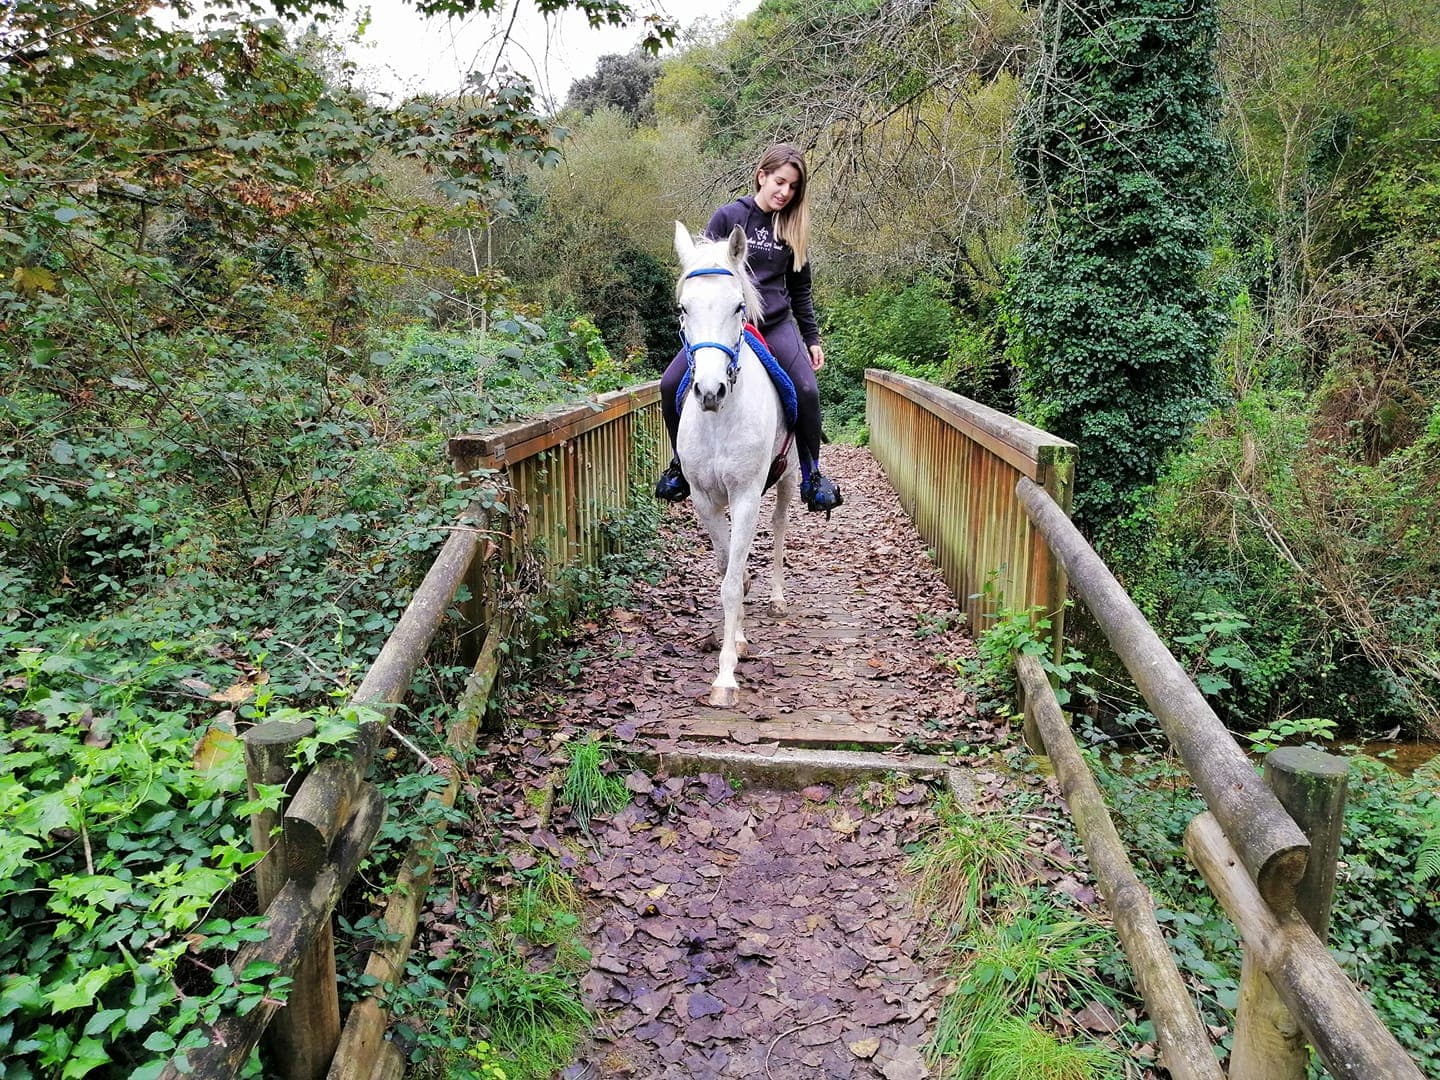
(792, 222)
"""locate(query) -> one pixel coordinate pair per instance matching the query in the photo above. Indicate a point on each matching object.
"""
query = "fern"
(1427, 858)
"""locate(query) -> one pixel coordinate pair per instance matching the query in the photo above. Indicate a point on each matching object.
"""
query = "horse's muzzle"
(711, 399)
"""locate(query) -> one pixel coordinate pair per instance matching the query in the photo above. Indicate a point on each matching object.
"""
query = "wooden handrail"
(511, 443)
(332, 819)
(1337, 1020)
(954, 463)
(1185, 1049)
(1270, 844)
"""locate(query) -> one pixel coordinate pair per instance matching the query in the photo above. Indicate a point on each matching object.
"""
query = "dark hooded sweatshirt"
(783, 289)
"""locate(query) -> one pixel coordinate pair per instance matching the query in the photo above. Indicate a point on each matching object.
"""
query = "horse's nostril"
(720, 393)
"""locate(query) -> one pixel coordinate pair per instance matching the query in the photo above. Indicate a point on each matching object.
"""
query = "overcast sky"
(402, 53)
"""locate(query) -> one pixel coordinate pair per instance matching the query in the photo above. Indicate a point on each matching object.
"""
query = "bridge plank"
(807, 727)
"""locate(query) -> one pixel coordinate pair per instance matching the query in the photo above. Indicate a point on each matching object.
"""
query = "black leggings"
(794, 356)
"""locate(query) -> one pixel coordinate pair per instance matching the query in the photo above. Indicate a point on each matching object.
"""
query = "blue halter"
(732, 367)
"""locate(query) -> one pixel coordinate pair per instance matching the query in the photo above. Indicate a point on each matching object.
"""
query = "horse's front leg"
(743, 514)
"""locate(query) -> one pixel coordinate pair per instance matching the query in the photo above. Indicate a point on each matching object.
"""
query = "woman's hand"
(817, 357)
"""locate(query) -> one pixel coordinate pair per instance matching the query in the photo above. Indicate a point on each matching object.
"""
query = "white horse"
(732, 426)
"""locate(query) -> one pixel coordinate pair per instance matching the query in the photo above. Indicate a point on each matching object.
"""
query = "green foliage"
(1037, 964)
(623, 81)
(972, 862)
(1012, 633)
(590, 788)
(1318, 555)
(122, 838)
(912, 329)
(1109, 324)
(583, 246)
(1016, 1049)
(510, 971)
(1311, 728)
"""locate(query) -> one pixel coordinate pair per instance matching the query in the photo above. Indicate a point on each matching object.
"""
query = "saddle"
(784, 386)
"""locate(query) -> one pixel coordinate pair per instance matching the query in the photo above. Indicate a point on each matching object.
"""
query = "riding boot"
(820, 493)
(672, 485)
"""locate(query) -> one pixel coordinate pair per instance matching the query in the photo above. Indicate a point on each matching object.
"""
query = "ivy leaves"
(1110, 326)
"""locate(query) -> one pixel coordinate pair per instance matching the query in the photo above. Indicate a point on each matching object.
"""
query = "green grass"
(974, 858)
(1041, 961)
(1017, 1049)
(589, 789)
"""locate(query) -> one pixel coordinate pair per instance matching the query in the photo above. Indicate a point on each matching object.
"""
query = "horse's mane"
(717, 253)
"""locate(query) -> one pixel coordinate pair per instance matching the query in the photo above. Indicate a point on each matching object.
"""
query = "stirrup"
(821, 493)
(672, 485)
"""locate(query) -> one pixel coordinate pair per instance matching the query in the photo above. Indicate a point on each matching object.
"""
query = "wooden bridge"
(839, 687)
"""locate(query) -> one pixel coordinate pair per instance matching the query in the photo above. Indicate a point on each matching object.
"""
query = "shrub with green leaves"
(119, 842)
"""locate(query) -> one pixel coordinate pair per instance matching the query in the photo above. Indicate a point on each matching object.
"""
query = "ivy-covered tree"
(1111, 326)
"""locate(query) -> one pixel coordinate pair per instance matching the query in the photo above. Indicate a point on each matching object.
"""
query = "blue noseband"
(732, 368)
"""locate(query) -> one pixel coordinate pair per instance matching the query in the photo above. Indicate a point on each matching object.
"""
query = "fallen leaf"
(215, 749)
(703, 1004)
(864, 1048)
(844, 824)
(639, 783)
(242, 691)
(1097, 1017)
(907, 1064)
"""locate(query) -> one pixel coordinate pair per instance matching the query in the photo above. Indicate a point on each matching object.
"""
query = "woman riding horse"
(776, 223)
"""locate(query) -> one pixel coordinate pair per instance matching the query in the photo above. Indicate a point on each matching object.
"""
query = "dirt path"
(769, 933)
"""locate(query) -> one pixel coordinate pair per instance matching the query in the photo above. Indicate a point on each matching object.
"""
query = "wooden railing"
(1271, 876)
(954, 464)
(558, 483)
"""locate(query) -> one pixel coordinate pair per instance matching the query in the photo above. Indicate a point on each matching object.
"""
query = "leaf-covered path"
(748, 931)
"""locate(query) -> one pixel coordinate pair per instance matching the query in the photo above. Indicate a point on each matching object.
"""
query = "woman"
(777, 226)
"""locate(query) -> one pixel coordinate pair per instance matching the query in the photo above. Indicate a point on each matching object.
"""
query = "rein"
(732, 366)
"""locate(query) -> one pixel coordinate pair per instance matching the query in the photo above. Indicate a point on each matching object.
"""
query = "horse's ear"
(738, 245)
(684, 245)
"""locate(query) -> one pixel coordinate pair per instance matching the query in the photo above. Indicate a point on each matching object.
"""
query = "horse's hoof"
(724, 697)
(776, 607)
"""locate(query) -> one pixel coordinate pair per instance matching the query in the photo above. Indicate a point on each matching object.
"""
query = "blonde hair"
(792, 222)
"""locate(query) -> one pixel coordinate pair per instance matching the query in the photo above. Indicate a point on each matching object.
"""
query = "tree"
(624, 81)
(1112, 327)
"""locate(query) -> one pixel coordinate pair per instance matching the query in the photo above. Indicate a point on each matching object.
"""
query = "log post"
(1184, 1043)
(268, 761)
(1310, 784)
(1342, 1026)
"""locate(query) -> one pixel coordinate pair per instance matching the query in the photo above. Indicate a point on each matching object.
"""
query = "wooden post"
(268, 761)
(1184, 1043)
(1269, 1044)
(1342, 1026)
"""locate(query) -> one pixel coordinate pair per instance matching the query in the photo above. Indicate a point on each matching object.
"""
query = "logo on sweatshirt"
(765, 242)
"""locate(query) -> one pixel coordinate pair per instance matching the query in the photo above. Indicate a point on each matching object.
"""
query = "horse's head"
(714, 297)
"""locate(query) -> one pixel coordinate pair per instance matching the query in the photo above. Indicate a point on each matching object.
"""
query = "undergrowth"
(1015, 957)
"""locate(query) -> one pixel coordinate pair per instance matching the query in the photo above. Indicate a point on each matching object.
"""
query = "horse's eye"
(740, 307)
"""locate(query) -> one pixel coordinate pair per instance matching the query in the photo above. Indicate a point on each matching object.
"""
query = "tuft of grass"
(1014, 1048)
(974, 857)
(534, 1017)
(1042, 961)
(589, 789)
